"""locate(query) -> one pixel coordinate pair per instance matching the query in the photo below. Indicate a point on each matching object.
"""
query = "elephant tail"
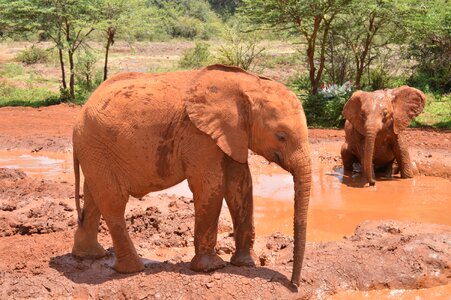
(77, 189)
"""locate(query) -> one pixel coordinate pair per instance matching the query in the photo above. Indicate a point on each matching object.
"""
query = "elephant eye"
(281, 136)
(385, 113)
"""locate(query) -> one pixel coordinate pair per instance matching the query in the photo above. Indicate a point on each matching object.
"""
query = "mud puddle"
(45, 165)
(339, 201)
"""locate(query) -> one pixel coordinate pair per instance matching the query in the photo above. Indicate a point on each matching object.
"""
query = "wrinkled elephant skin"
(140, 133)
(374, 130)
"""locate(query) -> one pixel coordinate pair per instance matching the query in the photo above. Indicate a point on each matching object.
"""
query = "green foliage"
(430, 45)
(188, 19)
(11, 95)
(225, 8)
(325, 108)
(85, 69)
(324, 112)
(196, 57)
(11, 70)
(436, 114)
(33, 55)
(241, 48)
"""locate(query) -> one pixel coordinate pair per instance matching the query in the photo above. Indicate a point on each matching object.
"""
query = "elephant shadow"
(98, 271)
(356, 179)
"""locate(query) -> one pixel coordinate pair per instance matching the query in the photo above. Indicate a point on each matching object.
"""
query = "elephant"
(374, 127)
(140, 133)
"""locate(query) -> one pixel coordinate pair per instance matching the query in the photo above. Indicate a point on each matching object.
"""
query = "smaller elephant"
(374, 130)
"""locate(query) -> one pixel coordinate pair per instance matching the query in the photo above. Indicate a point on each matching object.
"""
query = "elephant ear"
(352, 110)
(408, 103)
(217, 106)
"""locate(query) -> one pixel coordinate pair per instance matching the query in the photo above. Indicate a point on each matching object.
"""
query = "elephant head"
(389, 110)
(242, 111)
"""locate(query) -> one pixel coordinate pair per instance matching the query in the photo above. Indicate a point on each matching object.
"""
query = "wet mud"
(391, 241)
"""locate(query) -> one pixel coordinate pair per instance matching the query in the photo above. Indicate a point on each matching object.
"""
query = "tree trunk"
(110, 41)
(63, 72)
(72, 75)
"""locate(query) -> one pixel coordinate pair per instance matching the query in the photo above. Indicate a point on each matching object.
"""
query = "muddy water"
(48, 165)
(338, 203)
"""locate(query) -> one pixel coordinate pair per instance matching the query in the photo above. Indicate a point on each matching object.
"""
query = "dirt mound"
(380, 254)
(11, 174)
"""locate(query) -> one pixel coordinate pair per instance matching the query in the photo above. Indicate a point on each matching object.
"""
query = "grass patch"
(436, 114)
(12, 70)
(34, 97)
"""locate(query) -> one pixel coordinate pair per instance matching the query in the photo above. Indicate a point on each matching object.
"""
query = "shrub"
(33, 55)
(196, 57)
(241, 49)
(324, 109)
(433, 69)
(85, 69)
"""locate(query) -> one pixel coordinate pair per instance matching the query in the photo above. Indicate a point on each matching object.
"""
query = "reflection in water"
(338, 201)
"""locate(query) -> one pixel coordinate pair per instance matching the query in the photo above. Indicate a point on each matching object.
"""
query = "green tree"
(117, 17)
(429, 44)
(67, 23)
(311, 19)
(370, 26)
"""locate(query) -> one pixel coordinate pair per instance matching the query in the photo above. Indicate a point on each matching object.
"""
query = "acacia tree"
(117, 18)
(429, 44)
(312, 19)
(67, 23)
(373, 24)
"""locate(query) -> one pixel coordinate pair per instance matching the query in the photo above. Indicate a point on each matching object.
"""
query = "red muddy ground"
(393, 257)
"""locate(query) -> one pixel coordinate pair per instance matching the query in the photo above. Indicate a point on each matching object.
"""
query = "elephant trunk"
(301, 171)
(370, 139)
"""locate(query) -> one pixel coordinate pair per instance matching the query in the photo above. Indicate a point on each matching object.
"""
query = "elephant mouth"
(278, 158)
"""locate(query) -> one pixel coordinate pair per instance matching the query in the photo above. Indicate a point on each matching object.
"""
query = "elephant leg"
(111, 203)
(240, 202)
(347, 157)
(402, 157)
(85, 240)
(389, 170)
(207, 187)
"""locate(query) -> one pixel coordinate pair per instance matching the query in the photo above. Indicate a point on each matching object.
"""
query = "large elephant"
(140, 133)
(373, 129)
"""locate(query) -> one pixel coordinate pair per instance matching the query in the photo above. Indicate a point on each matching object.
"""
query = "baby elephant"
(373, 128)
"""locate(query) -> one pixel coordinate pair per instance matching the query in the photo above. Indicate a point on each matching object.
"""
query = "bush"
(433, 71)
(196, 57)
(325, 108)
(241, 49)
(33, 55)
(186, 27)
(85, 69)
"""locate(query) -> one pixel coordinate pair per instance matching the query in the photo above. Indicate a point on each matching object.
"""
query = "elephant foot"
(243, 259)
(132, 265)
(94, 250)
(207, 262)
